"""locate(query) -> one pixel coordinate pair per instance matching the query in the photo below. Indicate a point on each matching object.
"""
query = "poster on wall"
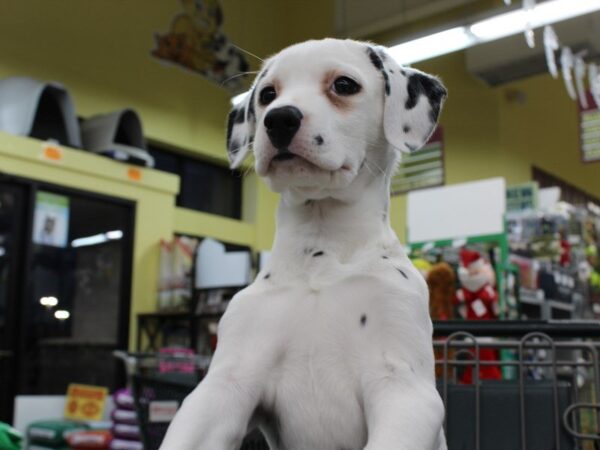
(589, 131)
(196, 42)
(51, 220)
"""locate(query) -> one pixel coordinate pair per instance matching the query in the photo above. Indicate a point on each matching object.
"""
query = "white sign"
(457, 211)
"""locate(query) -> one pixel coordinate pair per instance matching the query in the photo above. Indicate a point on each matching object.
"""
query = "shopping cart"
(546, 399)
(158, 391)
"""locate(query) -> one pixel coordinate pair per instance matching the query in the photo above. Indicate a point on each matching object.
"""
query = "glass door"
(75, 311)
(65, 281)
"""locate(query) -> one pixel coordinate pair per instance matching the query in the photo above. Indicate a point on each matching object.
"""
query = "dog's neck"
(345, 229)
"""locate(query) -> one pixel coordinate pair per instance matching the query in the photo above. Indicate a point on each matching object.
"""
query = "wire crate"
(546, 397)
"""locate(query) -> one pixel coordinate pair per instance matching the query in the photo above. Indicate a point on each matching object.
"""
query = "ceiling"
(360, 18)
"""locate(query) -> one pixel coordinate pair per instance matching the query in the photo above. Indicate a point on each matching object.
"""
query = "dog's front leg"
(216, 414)
(403, 412)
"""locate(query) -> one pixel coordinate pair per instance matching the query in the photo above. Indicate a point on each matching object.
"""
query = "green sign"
(522, 197)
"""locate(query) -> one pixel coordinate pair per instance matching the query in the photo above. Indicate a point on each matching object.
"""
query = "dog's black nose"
(282, 124)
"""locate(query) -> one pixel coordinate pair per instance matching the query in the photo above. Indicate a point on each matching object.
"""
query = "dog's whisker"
(241, 74)
(248, 52)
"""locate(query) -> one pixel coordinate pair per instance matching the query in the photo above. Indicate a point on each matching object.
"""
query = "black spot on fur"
(230, 120)
(363, 320)
(309, 202)
(251, 104)
(319, 139)
(319, 253)
(377, 61)
(402, 272)
(385, 257)
(406, 129)
(391, 71)
(234, 147)
(402, 72)
(267, 276)
(375, 58)
(419, 84)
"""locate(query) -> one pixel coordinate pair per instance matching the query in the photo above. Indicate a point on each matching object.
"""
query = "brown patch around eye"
(341, 103)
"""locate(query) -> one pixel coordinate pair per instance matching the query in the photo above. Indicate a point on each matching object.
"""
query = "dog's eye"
(345, 86)
(267, 95)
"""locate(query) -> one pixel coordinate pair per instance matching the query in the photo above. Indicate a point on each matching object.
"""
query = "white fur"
(334, 351)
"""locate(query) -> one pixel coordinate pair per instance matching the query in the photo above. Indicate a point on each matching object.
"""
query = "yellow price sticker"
(85, 402)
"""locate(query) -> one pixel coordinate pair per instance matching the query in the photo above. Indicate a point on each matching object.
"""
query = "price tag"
(52, 152)
(134, 174)
(85, 402)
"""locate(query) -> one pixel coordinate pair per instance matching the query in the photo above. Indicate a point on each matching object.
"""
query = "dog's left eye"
(345, 86)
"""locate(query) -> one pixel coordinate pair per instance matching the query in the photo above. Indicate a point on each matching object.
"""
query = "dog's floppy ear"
(241, 125)
(413, 101)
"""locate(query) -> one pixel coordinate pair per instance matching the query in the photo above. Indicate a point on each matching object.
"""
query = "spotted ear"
(413, 101)
(241, 125)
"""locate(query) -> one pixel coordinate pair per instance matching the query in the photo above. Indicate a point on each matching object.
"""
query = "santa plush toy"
(478, 300)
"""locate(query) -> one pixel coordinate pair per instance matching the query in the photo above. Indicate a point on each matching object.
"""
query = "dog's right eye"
(267, 95)
(345, 86)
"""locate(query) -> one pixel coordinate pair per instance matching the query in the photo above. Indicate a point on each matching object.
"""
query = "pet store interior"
(124, 233)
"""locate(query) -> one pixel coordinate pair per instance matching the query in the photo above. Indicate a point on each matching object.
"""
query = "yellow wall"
(100, 50)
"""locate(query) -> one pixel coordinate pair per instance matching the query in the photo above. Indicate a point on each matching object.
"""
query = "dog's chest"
(328, 324)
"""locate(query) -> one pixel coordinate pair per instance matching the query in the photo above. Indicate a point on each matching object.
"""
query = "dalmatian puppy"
(330, 348)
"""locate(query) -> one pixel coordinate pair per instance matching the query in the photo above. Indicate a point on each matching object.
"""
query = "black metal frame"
(18, 308)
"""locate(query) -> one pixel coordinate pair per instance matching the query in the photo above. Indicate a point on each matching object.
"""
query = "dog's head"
(322, 113)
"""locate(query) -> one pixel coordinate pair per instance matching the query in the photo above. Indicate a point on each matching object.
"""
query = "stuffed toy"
(442, 285)
(478, 300)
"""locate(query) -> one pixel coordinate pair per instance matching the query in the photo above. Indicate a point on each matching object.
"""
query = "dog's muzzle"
(282, 125)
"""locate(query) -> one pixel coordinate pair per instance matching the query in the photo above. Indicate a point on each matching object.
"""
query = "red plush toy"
(478, 300)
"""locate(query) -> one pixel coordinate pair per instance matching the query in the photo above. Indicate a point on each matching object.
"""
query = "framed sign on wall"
(589, 131)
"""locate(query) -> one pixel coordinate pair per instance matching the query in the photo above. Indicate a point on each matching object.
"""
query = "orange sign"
(52, 152)
(134, 174)
(85, 402)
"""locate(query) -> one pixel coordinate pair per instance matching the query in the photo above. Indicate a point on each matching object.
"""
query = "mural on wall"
(196, 42)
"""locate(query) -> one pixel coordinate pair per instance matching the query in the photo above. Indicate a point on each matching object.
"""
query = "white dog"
(330, 348)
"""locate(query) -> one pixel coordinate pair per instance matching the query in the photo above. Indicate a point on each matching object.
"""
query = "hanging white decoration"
(594, 82)
(580, 72)
(528, 7)
(566, 62)
(550, 46)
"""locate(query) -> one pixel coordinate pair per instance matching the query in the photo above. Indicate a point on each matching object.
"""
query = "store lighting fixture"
(97, 239)
(2, 252)
(62, 314)
(49, 302)
(492, 28)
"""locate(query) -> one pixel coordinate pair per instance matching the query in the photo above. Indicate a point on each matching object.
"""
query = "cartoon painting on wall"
(195, 41)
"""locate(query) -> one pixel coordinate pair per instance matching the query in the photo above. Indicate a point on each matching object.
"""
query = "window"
(205, 186)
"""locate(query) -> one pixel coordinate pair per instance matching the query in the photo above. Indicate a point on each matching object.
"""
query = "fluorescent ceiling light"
(433, 45)
(97, 239)
(497, 27)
